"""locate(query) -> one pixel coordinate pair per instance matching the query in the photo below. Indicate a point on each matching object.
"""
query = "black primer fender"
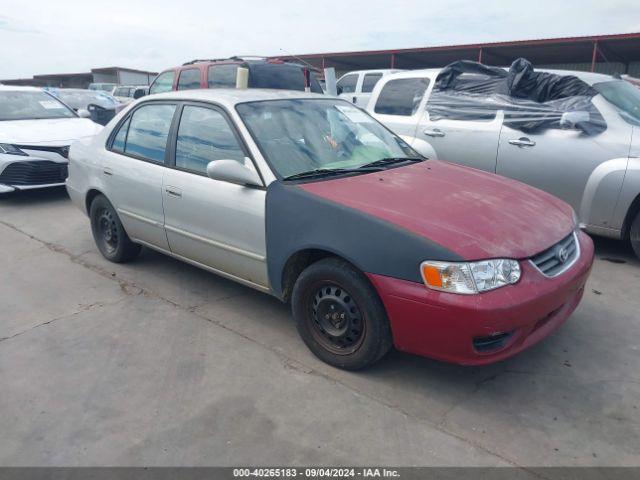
(297, 220)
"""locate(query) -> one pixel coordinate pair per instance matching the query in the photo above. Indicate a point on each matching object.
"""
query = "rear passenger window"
(121, 137)
(189, 79)
(222, 76)
(162, 83)
(148, 132)
(369, 81)
(348, 83)
(402, 96)
(205, 135)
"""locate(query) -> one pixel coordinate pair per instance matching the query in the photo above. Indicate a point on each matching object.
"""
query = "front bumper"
(453, 328)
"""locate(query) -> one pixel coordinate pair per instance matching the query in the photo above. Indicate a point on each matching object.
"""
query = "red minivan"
(222, 73)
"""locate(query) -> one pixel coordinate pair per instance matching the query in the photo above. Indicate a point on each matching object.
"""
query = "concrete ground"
(159, 363)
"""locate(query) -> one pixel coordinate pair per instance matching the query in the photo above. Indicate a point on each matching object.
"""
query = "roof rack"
(233, 57)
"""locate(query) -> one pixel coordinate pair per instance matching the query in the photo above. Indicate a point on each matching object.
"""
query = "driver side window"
(205, 135)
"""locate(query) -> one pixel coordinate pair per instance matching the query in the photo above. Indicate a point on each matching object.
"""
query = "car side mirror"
(339, 90)
(233, 171)
(84, 113)
(139, 93)
(573, 119)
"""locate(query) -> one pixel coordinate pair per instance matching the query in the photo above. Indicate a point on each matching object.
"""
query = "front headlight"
(470, 277)
(11, 149)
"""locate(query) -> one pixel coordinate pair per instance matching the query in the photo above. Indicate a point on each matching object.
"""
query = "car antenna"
(299, 59)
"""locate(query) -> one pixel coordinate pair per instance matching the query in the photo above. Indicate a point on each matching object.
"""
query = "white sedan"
(36, 130)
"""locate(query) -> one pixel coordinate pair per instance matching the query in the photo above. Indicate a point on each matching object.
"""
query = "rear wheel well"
(297, 263)
(91, 195)
(631, 215)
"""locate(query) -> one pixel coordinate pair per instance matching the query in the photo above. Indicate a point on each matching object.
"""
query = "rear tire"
(634, 235)
(109, 234)
(340, 316)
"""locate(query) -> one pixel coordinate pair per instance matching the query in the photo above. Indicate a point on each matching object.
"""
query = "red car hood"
(472, 213)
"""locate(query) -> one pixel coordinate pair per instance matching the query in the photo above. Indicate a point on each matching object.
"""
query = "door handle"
(174, 192)
(107, 171)
(436, 132)
(523, 142)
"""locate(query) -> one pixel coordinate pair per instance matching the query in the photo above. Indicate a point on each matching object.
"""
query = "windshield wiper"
(321, 172)
(390, 161)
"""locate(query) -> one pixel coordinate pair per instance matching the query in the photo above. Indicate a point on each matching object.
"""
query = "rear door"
(209, 222)
(133, 171)
(397, 106)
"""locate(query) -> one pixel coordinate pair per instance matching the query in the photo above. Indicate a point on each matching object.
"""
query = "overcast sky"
(48, 36)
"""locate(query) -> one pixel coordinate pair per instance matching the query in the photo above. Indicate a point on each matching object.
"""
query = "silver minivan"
(598, 174)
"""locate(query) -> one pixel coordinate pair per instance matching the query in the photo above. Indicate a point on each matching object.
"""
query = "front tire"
(339, 315)
(634, 235)
(109, 234)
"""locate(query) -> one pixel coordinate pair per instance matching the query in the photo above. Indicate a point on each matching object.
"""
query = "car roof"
(8, 88)
(374, 70)
(229, 97)
(587, 77)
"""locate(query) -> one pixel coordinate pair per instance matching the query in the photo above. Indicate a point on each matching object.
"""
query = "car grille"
(62, 151)
(558, 258)
(41, 172)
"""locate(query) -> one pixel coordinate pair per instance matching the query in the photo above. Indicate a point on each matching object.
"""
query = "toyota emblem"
(562, 255)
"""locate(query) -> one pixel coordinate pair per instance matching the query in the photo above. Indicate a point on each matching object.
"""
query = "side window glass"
(121, 137)
(402, 96)
(369, 81)
(162, 83)
(189, 79)
(222, 76)
(205, 135)
(148, 132)
(348, 83)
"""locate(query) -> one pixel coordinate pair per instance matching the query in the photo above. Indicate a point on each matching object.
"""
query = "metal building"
(119, 75)
(610, 54)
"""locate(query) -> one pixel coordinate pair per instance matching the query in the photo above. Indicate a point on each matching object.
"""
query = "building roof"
(622, 48)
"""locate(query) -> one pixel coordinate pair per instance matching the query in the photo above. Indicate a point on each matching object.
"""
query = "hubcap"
(336, 319)
(108, 230)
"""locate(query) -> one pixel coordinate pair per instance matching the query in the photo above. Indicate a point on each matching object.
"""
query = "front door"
(209, 222)
(562, 161)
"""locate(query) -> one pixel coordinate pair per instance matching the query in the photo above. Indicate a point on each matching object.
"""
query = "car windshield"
(624, 96)
(83, 98)
(304, 135)
(31, 105)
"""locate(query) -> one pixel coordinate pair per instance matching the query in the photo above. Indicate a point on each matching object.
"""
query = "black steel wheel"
(336, 320)
(339, 315)
(109, 234)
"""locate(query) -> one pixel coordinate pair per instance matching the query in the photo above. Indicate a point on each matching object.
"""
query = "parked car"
(103, 86)
(589, 157)
(222, 73)
(357, 86)
(102, 106)
(308, 198)
(127, 94)
(36, 130)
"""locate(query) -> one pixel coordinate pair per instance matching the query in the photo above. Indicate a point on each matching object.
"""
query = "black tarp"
(532, 101)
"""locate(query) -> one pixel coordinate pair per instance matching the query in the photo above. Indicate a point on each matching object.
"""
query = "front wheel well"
(297, 263)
